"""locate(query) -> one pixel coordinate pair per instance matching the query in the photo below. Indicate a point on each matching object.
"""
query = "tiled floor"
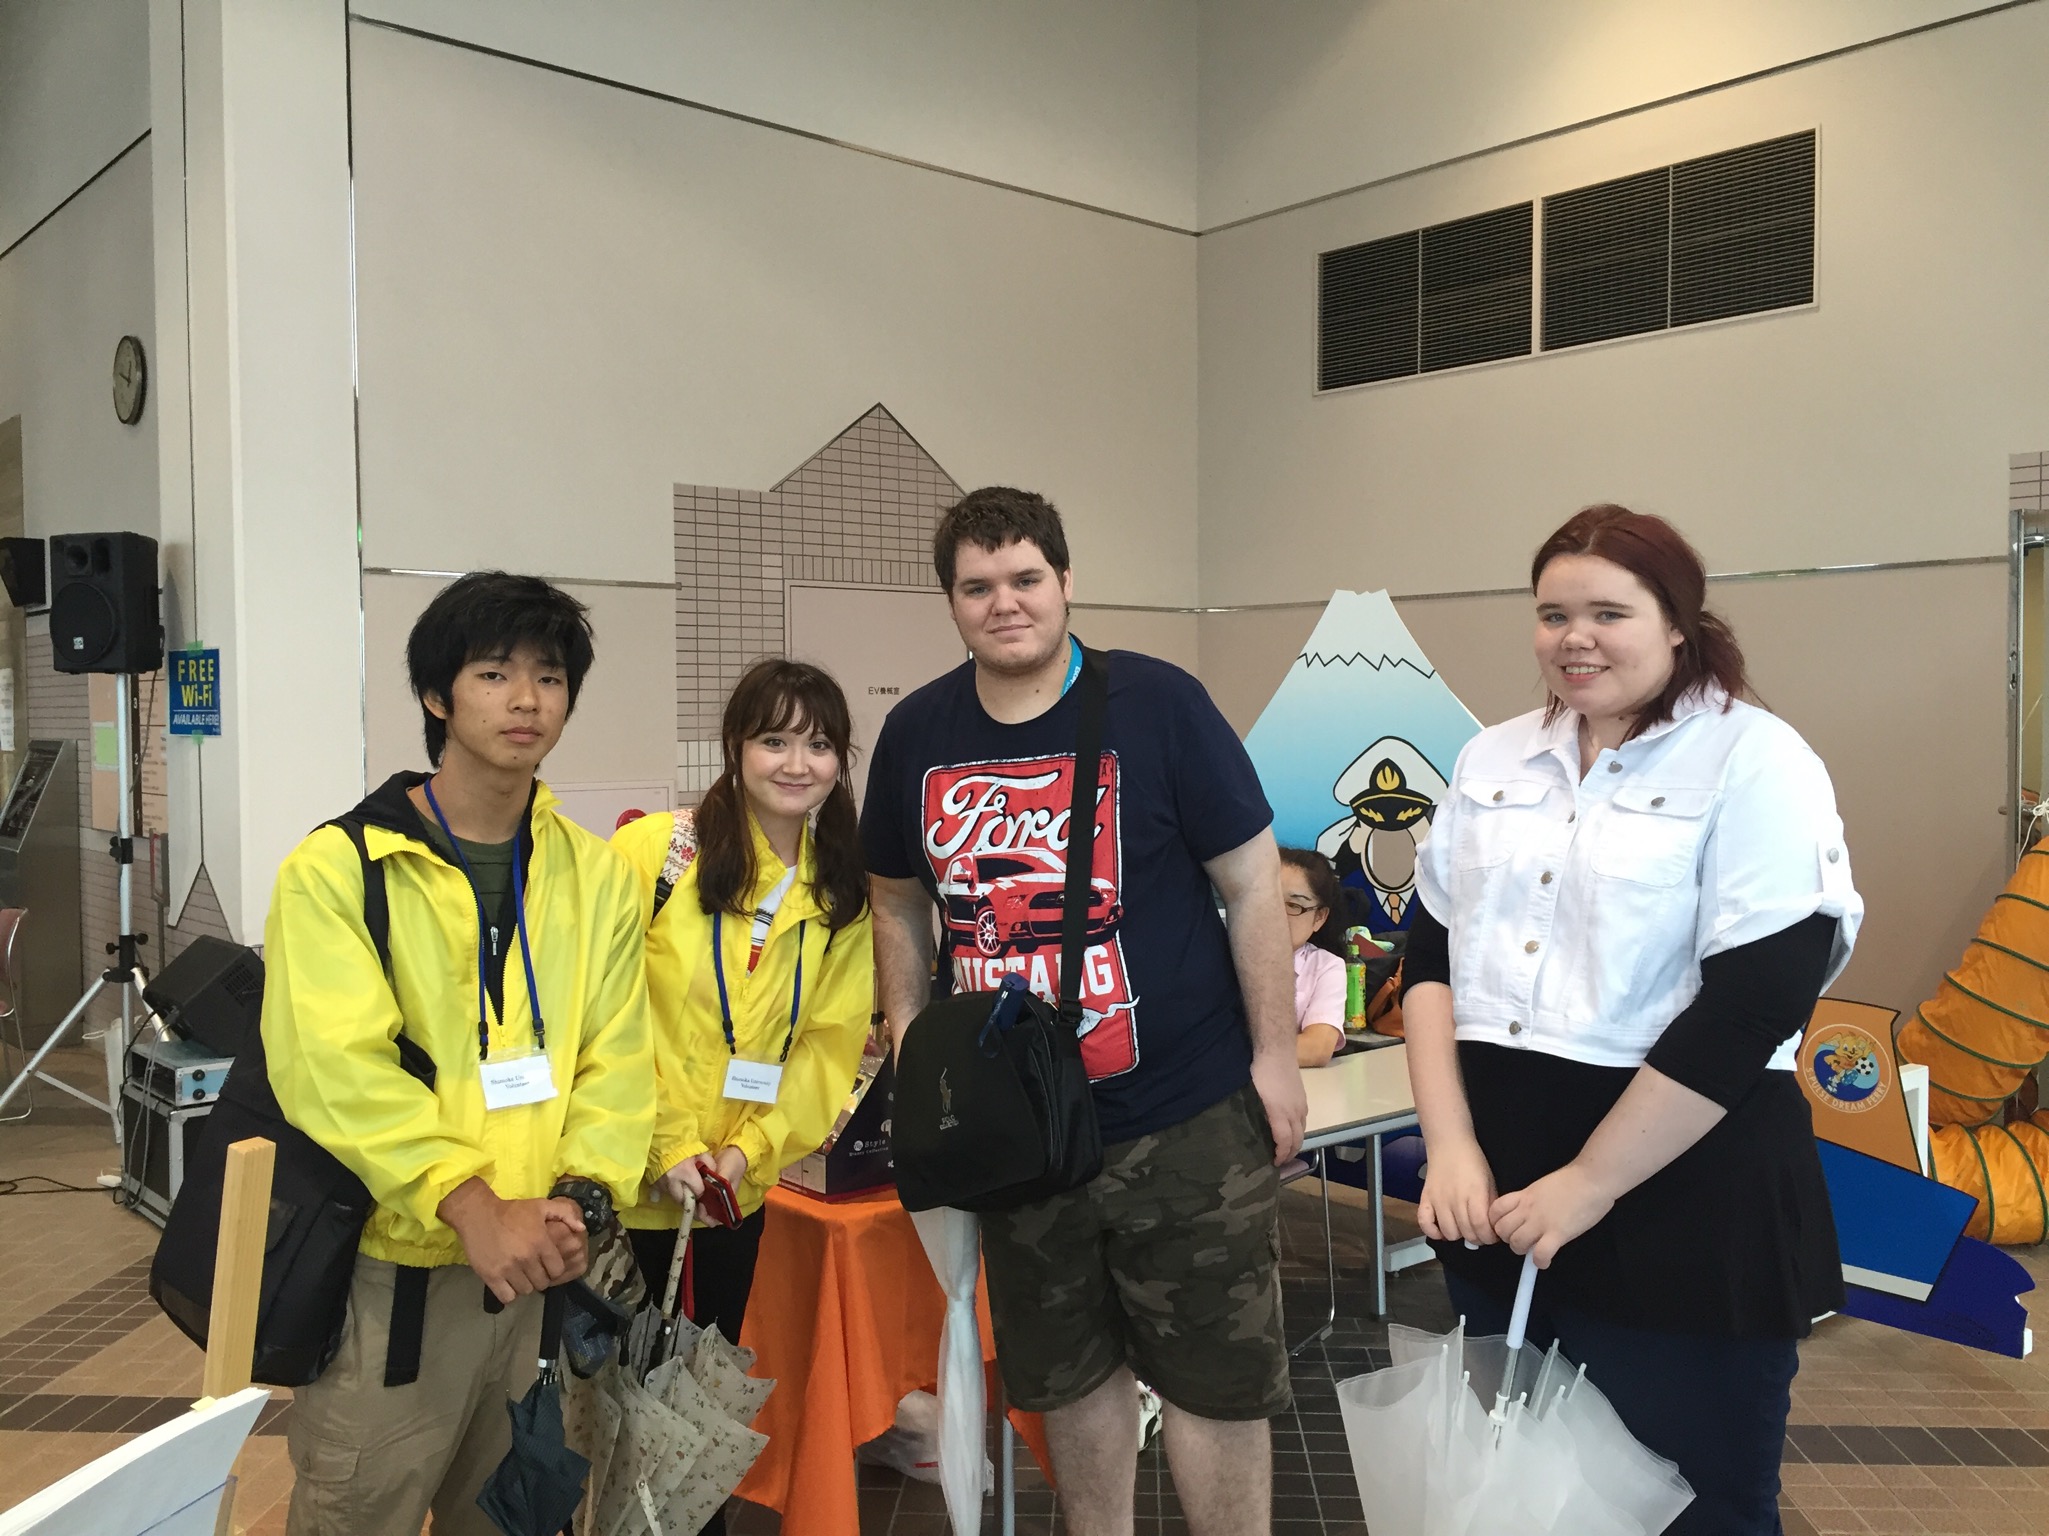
(1891, 1432)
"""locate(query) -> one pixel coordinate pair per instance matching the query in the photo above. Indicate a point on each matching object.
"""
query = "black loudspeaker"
(103, 604)
(21, 572)
(212, 994)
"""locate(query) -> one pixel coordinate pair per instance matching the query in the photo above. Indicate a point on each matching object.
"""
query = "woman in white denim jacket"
(1631, 900)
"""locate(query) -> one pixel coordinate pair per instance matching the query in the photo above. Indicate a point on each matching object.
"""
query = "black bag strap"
(408, 1325)
(1081, 831)
(377, 918)
(376, 902)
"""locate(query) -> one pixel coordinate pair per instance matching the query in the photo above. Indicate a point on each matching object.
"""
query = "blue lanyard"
(1073, 666)
(526, 954)
(718, 967)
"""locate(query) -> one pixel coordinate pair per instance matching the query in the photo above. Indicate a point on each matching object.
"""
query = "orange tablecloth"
(845, 1314)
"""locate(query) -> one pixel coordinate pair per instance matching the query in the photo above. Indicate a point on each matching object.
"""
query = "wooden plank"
(238, 1266)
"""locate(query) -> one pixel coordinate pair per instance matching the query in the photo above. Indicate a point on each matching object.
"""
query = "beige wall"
(74, 92)
(68, 294)
(1348, 91)
(1897, 678)
(624, 725)
(1174, 637)
(1873, 426)
(572, 298)
(1076, 98)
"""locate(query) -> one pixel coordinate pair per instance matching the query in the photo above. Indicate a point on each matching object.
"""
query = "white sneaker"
(1148, 1415)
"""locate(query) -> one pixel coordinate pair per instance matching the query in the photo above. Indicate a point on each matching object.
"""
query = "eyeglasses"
(1302, 908)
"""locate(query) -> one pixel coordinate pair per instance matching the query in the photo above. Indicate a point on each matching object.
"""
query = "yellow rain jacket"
(331, 1023)
(693, 1114)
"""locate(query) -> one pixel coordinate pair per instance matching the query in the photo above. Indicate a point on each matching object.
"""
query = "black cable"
(54, 1186)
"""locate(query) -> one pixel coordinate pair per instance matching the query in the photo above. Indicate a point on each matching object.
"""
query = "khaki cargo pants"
(372, 1460)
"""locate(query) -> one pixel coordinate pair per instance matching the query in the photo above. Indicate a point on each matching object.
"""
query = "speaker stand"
(124, 975)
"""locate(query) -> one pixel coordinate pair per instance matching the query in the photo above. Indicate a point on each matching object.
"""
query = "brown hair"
(1323, 885)
(1656, 554)
(777, 694)
(992, 517)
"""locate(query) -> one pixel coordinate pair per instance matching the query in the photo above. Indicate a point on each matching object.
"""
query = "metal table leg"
(1330, 1259)
(1009, 1473)
(1376, 1229)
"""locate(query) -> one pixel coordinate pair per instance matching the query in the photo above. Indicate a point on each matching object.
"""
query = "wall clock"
(131, 380)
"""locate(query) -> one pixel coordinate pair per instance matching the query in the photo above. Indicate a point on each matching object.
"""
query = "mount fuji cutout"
(1361, 677)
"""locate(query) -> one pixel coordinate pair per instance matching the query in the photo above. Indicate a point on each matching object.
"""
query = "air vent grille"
(1743, 231)
(1366, 311)
(1607, 260)
(1476, 288)
(1727, 234)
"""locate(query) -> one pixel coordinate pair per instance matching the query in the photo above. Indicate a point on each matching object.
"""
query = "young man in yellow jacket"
(516, 965)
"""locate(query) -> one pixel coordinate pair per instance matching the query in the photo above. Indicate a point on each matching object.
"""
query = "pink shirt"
(1319, 988)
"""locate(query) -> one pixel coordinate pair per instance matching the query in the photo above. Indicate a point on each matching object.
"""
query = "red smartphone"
(717, 1204)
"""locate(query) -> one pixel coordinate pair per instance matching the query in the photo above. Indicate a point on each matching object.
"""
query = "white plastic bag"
(911, 1445)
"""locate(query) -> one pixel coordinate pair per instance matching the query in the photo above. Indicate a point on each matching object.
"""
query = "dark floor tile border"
(74, 1330)
(47, 1413)
(1915, 1445)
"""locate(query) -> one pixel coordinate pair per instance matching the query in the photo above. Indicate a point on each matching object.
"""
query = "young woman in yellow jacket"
(761, 977)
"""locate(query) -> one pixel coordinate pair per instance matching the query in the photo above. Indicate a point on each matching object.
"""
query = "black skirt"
(1734, 1237)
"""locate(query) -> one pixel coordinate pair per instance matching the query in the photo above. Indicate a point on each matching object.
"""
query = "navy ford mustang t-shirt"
(977, 812)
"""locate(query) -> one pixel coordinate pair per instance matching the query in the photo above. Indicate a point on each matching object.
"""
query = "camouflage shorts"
(1166, 1261)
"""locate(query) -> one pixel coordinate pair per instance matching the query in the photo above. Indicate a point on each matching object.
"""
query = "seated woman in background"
(760, 974)
(1309, 888)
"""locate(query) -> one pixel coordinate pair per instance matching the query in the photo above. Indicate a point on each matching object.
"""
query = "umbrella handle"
(1519, 1319)
(554, 1306)
(673, 1290)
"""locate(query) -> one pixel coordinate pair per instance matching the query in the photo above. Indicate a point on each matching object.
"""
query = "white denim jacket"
(1580, 909)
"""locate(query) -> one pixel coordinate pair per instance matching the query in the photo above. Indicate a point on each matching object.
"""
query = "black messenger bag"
(317, 1207)
(989, 1119)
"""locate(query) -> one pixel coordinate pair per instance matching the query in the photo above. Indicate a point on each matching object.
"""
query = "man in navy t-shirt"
(1164, 1264)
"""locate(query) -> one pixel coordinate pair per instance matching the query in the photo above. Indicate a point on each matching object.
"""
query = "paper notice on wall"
(6, 709)
(104, 700)
(155, 804)
(105, 742)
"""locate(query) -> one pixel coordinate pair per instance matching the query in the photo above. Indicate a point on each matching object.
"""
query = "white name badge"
(510, 1080)
(755, 1081)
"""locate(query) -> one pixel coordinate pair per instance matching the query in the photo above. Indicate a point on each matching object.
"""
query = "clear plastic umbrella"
(952, 1242)
(1432, 1458)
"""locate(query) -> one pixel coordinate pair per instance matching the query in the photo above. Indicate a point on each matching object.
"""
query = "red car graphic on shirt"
(995, 837)
(997, 901)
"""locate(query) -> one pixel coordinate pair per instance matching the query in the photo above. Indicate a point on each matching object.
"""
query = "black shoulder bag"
(988, 1118)
(317, 1207)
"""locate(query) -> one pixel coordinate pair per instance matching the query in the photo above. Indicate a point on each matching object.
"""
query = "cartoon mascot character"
(1391, 789)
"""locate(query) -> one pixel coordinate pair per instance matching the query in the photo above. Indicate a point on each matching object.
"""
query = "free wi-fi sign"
(195, 701)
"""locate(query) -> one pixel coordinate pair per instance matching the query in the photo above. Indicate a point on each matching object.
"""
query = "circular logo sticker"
(1847, 1066)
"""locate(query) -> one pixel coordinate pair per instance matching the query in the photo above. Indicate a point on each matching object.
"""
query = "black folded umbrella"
(538, 1485)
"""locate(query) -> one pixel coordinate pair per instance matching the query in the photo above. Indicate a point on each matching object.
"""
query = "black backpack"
(987, 1119)
(317, 1207)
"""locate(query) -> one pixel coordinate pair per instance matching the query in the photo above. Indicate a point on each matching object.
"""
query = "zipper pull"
(494, 941)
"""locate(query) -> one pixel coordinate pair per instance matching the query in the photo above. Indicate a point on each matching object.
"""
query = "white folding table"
(1362, 1097)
